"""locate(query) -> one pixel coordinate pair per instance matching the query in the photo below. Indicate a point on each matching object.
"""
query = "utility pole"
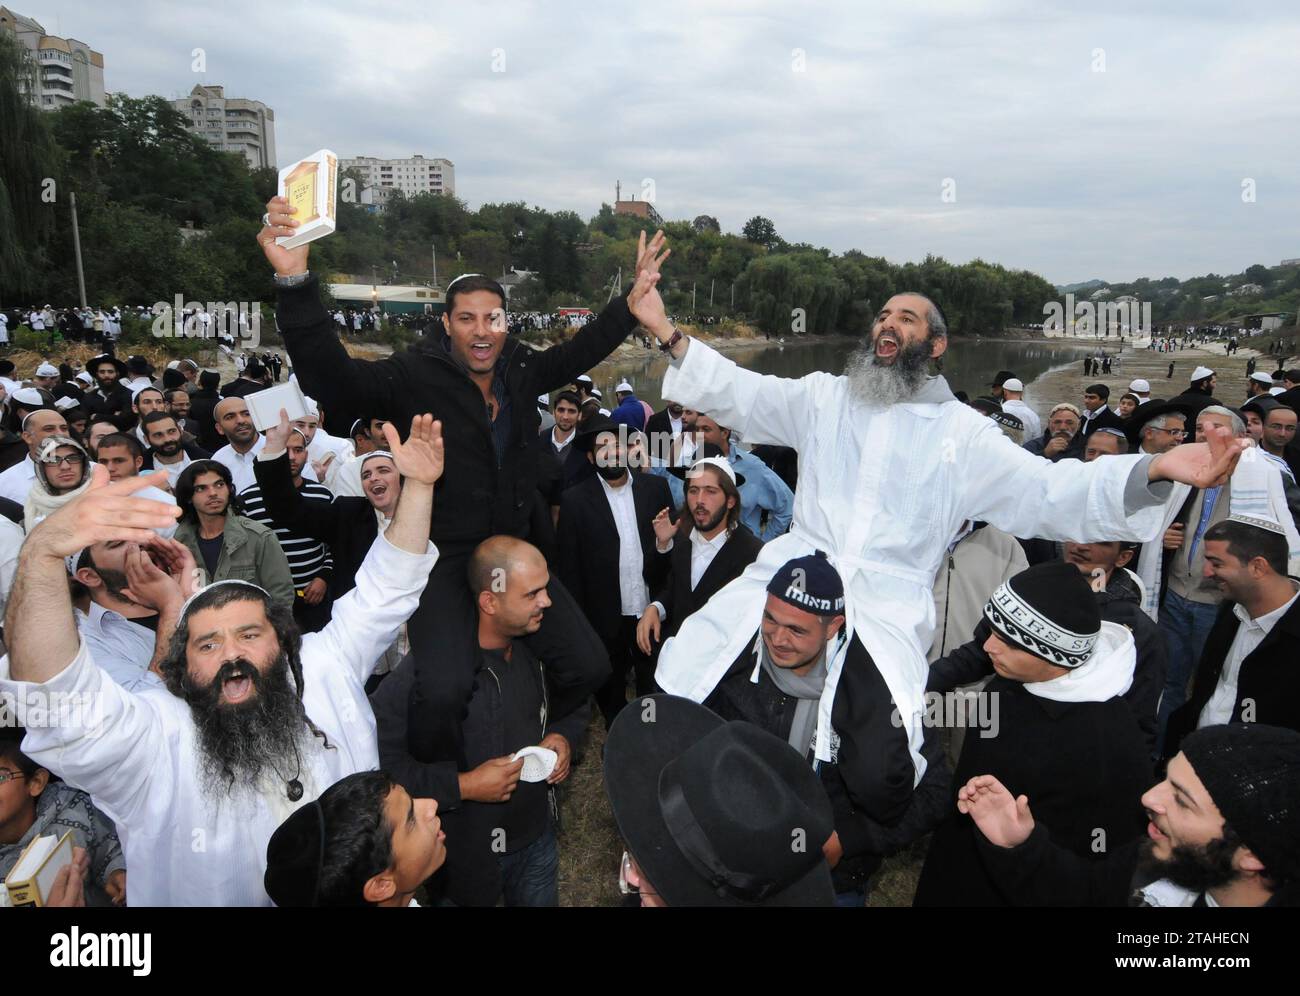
(433, 247)
(692, 298)
(711, 283)
(76, 245)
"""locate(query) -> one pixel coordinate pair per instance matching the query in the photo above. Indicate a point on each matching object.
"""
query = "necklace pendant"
(294, 790)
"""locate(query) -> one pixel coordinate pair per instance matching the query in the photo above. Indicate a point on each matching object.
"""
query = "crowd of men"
(850, 610)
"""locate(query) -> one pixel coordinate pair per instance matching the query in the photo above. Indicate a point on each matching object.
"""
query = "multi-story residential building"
(412, 176)
(231, 124)
(67, 70)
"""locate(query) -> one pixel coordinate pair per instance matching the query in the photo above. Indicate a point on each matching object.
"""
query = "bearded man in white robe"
(890, 467)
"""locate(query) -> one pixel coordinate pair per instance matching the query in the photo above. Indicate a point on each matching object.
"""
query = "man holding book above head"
(483, 385)
(255, 719)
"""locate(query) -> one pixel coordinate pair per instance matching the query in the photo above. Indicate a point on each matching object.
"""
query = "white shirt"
(702, 553)
(1018, 408)
(174, 470)
(240, 465)
(11, 541)
(121, 647)
(559, 446)
(138, 755)
(1250, 634)
(631, 585)
(16, 482)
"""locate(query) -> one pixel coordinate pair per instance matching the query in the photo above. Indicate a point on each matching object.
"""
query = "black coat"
(589, 550)
(203, 414)
(1194, 401)
(479, 495)
(1083, 765)
(1107, 419)
(1268, 677)
(347, 524)
(240, 387)
(679, 601)
(659, 422)
(574, 467)
(866, 835)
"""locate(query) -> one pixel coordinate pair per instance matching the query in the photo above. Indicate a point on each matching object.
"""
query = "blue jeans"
(1186, 626)
(530, 876)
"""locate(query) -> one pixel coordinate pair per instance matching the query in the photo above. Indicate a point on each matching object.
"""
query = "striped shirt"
(308, 558)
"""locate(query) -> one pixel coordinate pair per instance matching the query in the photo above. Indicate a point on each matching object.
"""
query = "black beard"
(169, 449)
(713, 523)
(114, 581)
(880, 385)
(610, 473)
(239, 744)
(1196, 868)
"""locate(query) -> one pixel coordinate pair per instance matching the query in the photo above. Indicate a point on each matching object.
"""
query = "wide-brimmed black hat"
(586, 437)
(1145, 413)
(1002, 377)
(93, 364)
(716, 813)
(711, 452)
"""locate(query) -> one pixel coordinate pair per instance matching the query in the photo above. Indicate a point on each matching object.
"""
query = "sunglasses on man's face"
(71, 459)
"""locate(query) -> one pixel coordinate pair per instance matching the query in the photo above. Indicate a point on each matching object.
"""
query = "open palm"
(420, 458)
(1202, 465)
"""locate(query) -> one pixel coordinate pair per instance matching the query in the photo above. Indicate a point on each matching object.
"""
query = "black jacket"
(572, 465)
(117, 405)
(1194, 401)
(479, 495)
(240, 387)
(203, 408)
(347, 524)
(1268, 679)
(471, 876)
(1084, 766)
(1107, 419)
(969, 663)
(679, 601)
(659, 422)
(866, 835)
(1073, 449)
(589, 550)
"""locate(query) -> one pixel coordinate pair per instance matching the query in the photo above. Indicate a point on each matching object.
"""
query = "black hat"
(6, 367)
(1261, 405)
(713, 453)
(93, 364)
(1252, 772)
(1002, 377)
(809, 583)
(254, 368)
(139, 366)
(716, 813)
(986, 405)
(1008, 420)
(1048, 610)
(1145, 413)
(597, 424)
(294, 858)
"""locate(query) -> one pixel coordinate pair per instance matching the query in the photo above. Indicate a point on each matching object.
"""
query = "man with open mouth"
(255, 720)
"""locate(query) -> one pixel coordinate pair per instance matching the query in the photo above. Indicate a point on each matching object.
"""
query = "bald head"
(496, 558)
(509, 579)
(41, 424)
(235, 423)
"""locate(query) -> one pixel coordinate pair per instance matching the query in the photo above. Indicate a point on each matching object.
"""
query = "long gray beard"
(257, 745)
(878, 386)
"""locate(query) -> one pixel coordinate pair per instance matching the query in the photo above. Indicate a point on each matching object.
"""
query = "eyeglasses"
(1177, 433)
(626, 887)
(72, 460)
(7, 776)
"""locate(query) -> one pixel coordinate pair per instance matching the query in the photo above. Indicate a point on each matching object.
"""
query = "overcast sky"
(839, 122)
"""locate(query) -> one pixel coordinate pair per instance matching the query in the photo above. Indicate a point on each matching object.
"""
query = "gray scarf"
(807, 689)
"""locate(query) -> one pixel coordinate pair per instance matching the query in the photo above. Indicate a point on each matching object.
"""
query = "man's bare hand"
(1202, 465)
(491, 781)
(564, 753)
(287, 262)
(314, 593)
(1173, 536)
(148, 585)
(665, 529)
(104, 512)
(420, 458)
(277, 436)
(1056, 445)
(116, 887)
(647, 630)
(1004, 820)
(69, 888)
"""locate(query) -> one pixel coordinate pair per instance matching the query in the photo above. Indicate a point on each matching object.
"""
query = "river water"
(969, 365)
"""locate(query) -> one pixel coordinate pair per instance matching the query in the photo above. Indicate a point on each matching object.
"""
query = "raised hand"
(277, 436)
(1202, 465)
(175, 558)
(420, 458)
(286, 261)
(103, 512)
(1005, 821)
(648, 257)
(647, 306)
(665, 529)
(149, 585)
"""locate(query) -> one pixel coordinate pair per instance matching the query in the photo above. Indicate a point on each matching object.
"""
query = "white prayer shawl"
(137, 753)
(1255, 489)
(882, 491)
(1107, 673)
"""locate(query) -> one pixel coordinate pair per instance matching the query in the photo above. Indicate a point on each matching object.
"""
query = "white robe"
(137, 754)
(883, 491)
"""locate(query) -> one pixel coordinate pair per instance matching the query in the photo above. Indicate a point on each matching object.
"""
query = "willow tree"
(29, 164)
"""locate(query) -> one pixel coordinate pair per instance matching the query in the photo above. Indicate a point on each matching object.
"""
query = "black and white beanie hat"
(1050, 611)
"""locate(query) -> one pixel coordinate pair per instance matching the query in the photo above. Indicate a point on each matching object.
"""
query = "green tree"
(760, 230)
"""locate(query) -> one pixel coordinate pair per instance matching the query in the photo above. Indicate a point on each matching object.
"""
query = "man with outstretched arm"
(254, 720)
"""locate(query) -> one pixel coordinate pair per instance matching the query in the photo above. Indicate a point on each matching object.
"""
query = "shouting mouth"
(237, 688)
(481, 351)
(887, 346)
